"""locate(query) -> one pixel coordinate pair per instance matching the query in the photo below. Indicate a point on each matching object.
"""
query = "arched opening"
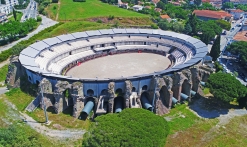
(37, 82)
(186, 87)
(51, 109)
(90, 92)
(30, 79)
(145, 87)
(165, 96)
(119, 92)
(88, 108)
(146, 104)
(145, 43)
(118, 104)
(70, 53)
(133, 89)
(103, 92)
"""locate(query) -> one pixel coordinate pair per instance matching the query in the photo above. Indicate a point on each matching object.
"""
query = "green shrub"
(154, 26)
(79, 0)
(39, 19)
(130, 128)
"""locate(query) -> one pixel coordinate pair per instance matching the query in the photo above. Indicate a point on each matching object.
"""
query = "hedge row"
(16, 49)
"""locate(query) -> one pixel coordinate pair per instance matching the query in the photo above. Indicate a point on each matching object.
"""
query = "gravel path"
(4, 63)
(61, 134)
(14, 114)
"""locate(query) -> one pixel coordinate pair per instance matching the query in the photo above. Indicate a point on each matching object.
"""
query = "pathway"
(58, 10)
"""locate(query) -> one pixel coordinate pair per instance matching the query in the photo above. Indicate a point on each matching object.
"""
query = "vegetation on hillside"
(131, 127)
(13, 30)
(3, 72)
(225, 87)
(239, 48)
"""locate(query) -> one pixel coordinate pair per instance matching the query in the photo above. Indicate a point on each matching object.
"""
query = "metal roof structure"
(28, 55)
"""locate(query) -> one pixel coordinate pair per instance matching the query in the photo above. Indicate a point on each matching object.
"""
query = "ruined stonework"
(162, 99)
(61, 103)
(78, 98)
(204, 75)
(111, 96)
(178, 79)
(195, 78)
(15, 71)
(187, 83)
(128, 91)
(47, 93)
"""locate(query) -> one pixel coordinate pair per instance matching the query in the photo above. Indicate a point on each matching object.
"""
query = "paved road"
(3, 90)
(30, 11)
(46, 22)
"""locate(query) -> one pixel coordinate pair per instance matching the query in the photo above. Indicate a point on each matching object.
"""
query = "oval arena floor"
(115, 66)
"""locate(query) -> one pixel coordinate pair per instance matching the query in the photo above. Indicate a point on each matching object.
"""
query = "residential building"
(158, 10)
(154, 2)
(212, 15)
(123, 5)
(237, 14)
(240, 36)
(3, 17)
(165, 16)
(137, 7)
(244, 26)
(8, 7)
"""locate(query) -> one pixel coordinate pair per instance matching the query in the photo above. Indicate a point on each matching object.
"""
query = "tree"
(193, 23)
(177, 27)
(239, 48)
(198, 2)
(161, 5)
(187, 28)
(164, 25)
(130, 128)
(223, 24)
(225, 87)
(228, 5)
(215, 50)
(14, 14)
(164, 1)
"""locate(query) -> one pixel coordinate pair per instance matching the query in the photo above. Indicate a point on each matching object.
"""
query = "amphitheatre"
(105, 71)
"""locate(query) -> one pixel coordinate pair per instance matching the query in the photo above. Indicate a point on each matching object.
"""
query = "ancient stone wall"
(111, 96)
(78, 98)
(46, 87)
(128, 91)
(61, 103)
(195, 78)
(15, 72)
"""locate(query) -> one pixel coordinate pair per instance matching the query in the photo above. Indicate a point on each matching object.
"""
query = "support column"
(127, 93)
(195, 78)
(78, 98)
(47, 93)
(111, 96)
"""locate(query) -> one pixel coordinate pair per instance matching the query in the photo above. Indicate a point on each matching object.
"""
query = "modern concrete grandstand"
(133, 67)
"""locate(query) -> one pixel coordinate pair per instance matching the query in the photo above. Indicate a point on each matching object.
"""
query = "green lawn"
(3, 72)
(70, 10)
(19, 98)
(180, 118)
(52, 10)
(18, 16)
(71, 27)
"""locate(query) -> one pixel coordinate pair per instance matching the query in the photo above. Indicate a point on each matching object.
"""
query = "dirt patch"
(122, 21)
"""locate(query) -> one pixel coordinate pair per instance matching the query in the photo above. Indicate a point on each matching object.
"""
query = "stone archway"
(186, 87)
(166, 96)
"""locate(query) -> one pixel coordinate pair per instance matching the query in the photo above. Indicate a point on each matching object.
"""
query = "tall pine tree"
(215, 50)
(14, 14)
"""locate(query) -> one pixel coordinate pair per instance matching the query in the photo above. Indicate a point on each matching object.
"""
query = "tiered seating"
(42, 62)
(179, 57)
(65, 61)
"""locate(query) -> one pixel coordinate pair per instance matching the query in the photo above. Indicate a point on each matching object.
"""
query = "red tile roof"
(165, 16)
(155, 1)
(241, 36)
(211, 14)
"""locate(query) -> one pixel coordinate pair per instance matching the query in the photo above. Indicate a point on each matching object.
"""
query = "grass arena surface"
(116, 66)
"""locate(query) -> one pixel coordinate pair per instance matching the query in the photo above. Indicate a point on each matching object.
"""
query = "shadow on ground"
(210, 107)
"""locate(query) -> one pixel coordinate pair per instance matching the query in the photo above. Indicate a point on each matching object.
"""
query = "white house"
(137, 7)
(8, 7)
(237, 14)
